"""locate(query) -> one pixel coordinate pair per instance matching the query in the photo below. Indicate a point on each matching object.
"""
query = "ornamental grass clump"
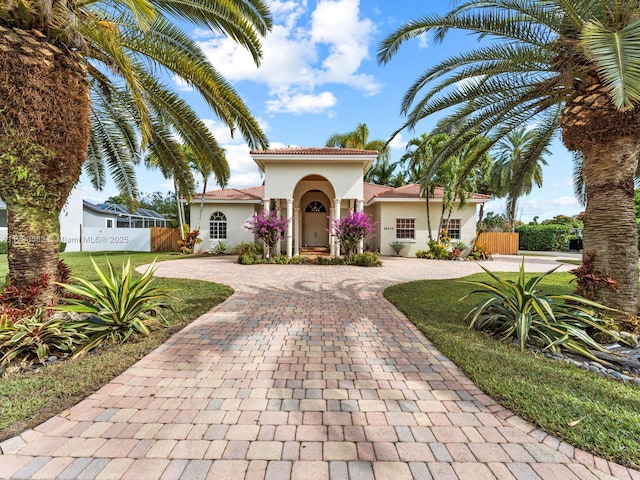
(268, 227)
(519, 310)
(350, 230)
(117, 307)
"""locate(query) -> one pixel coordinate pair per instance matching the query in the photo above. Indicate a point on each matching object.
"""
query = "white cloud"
(466, 83)
(245, 180)
(423, 41)
(548, 208)
(302, 103)
(305, 50)
(397, 143)
(222, 133)
(181, 84)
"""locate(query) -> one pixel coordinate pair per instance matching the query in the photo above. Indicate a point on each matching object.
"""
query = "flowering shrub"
(268, 227)
(351, 229)
(190, 241)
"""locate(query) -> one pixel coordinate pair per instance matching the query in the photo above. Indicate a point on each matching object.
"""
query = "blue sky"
(319, 76)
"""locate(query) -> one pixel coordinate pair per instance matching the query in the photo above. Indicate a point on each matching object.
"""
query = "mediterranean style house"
(312, 186)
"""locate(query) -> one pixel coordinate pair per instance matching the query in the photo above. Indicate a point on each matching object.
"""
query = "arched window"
(218, 226)
(315, 207)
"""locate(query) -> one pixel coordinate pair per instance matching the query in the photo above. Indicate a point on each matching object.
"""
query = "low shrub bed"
(34, 394)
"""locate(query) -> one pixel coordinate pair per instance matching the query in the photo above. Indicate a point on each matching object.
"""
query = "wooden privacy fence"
(164, 239)
(505, 243)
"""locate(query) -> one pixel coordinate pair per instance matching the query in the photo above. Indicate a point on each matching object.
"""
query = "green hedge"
(544, 237)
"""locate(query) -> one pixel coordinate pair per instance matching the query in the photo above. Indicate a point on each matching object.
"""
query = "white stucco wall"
(70, 221)
(237, 215)
(388, 212)
(281, 179)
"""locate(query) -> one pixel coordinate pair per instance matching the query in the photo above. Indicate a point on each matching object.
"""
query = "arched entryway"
(315, 208)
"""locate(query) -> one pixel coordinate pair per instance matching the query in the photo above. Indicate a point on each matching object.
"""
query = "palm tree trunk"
(441, 221)
(179, 205)
(428, 217)
(612, 234)
(44, 133)
(511, 208)
(479, 222)
(204, 190)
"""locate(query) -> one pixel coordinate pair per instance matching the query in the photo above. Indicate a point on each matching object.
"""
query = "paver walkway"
(304, 373)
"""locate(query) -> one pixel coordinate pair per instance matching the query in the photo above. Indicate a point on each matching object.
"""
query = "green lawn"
(28, 399)
(547, 393)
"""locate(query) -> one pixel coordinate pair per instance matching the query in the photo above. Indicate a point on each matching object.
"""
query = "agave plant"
(519, 309)
(118, 307)
(37, 337)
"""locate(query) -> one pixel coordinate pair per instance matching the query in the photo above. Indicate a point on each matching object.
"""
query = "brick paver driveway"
(304, 373)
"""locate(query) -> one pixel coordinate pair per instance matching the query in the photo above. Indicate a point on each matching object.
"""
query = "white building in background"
(310, 186)
(85, 226)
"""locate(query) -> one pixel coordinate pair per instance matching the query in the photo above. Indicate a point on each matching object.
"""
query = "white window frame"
(398, 229)
(108, 222)
(218, 226)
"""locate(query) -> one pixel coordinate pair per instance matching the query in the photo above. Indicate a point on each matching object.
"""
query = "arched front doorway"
(315, 207)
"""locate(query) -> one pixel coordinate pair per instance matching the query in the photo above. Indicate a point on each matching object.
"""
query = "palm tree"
(382, 173)
(359, 139)
(419, 158)
(76, 76)
(217, 166)
(515, 171)
(562, 64)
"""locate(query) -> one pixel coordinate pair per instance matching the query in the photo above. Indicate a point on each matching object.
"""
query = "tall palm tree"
(515, 171)
(420, 155)
(562, 64)
(215, 165)
(74, 77)
(359, 139)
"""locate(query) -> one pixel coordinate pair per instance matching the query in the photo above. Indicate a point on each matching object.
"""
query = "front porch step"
(314, 251)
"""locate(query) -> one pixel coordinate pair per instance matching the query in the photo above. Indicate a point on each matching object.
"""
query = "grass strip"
(547, 393)
(28, 399)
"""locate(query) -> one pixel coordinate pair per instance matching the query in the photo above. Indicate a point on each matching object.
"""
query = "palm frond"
(616, 55)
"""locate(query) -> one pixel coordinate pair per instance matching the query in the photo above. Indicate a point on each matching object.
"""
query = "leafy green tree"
(359, 140)
(383, 172)
(163, 203)
(494, 222)
(79, 86)
(568, 65)
(572, 222)
(515, 170)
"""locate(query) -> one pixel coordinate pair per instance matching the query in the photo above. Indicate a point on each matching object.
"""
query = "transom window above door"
(316, 207)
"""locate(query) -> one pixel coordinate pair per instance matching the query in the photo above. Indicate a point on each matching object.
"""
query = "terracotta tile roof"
(372, 190)
(412, 190)
(314, 151)
(253, 193)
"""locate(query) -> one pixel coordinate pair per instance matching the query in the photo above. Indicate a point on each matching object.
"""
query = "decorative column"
(289, 227)
(360, 208)
(336, 218)
(296, 231)
(279, 212)
(266, 207)
(332, 238)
